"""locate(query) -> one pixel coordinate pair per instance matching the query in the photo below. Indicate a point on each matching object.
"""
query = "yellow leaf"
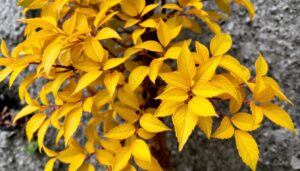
(128, 97)
(111, 81)
(166, 108)
(248, 5)
(257, 113)
(4, 49)
(4, 73)
(150, 45)
(220, 44)
(145, 134)
(149, 8)
(201, 106)
(202, 53)
(247, 148)
(175, 79)
(184, 123)
(261, 66)
(26, 111)
(105, 157)
(278, 116)
(137, 76)
(172, 6)
(120, 132)
(136, 35)
(140, 150)
(149, 23)
(49, 165)
(34, 124)
(111, 145)
(225, 130)
(113, 62)
(76, 162)
(152, 124)
(122, 158)
(86, 80)
(154, 69)
(107, 33)
(128, 114)
(153, 165)
(72, 122)
(186, 64)
(131, 22)
(93, 49)
(166, 33)
(173, 94)
(205, 124)
(223, 5)
(206, 89)
(51, 54)
(232, 65)
(244, 121)
(87, 167)
(41, 133)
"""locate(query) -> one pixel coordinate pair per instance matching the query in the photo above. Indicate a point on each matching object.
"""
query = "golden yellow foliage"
(116, 68)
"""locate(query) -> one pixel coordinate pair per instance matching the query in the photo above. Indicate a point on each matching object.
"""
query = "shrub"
(117, 68)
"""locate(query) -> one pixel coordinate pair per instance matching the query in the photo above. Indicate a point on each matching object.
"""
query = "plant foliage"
(117, 68)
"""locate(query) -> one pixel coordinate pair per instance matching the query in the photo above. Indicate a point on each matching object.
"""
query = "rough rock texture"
(274, 32)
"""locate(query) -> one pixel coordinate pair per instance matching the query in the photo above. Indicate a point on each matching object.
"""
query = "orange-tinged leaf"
(278, 116)
(150, 45)
(120, 132)
(72, 122)
(152, 124)
(184, 123)
(27, 110)
(140, 150)
(86, 80)
(201, 106)
(220, 44)
(205, 124)
(122, 158)
(34, 124)
(247, 148)
(225, 130)
(137, 76)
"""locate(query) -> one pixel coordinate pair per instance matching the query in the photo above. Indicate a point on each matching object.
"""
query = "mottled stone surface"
(274, 32)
